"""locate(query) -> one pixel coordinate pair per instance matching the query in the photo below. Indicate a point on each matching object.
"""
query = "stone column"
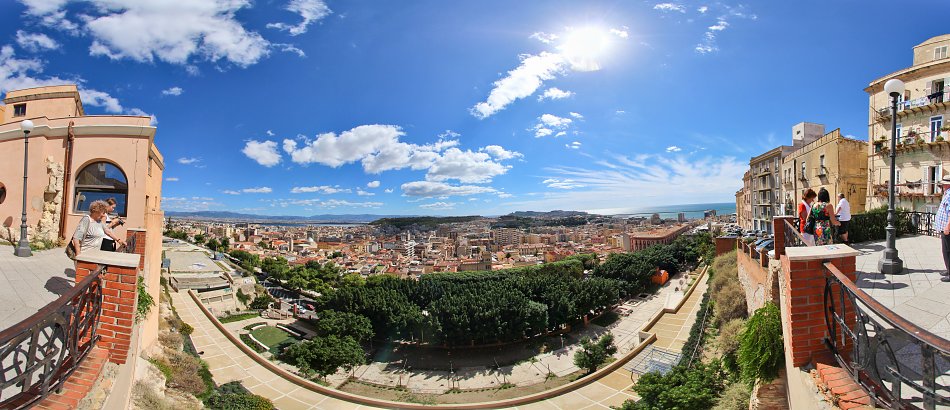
(803, 314)
(119, 296)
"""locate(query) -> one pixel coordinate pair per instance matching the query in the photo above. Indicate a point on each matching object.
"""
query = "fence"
(38, 354)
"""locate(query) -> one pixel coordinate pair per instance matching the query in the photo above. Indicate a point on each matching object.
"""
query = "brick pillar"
(139, 235)
(804, 274)
(778, 232)
(119, 296)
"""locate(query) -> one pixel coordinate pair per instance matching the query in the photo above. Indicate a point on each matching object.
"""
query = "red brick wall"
(119, 295)
(139, 244)
(725, 245)
(804, 296)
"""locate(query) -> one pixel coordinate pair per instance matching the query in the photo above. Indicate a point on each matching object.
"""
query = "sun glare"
(584, 47)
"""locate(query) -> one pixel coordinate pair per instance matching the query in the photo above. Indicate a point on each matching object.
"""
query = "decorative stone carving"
(48, 227)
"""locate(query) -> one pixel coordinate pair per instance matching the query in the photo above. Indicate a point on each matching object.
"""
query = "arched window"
(101, 180)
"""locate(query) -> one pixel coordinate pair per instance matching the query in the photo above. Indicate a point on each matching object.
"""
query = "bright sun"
(584, 46)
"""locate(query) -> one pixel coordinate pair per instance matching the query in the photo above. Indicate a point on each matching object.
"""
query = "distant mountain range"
(549, 214)
(326, 218)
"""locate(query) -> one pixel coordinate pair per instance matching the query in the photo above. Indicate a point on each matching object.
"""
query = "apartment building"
(923, 150)
(744, 202)
(833, 162)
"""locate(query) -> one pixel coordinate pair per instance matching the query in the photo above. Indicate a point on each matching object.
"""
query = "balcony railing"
(884, 113)
(899, 364)
(38, 354)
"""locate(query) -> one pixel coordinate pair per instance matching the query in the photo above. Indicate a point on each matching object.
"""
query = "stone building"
(923, 153)
(73, 160)
(833, 162)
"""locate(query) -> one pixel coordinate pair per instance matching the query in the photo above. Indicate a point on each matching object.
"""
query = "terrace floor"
(918, 295)
(28, 284)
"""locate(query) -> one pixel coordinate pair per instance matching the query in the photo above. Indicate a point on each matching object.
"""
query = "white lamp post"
(890, 263)
(23, 245)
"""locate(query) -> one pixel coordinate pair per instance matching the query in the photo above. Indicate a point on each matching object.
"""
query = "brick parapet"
(804, 296)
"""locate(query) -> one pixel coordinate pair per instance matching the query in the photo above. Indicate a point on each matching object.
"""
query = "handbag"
(71, 250)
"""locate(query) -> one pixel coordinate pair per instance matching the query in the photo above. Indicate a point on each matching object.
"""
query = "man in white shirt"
(843, 212)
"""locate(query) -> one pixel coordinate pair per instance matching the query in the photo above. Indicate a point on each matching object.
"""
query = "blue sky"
(301, 107)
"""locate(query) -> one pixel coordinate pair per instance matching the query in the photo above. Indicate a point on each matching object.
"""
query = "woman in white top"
(90, 231)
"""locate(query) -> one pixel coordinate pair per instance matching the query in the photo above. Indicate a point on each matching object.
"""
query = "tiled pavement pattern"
(27, 284)
(918, 295)
(228, 363)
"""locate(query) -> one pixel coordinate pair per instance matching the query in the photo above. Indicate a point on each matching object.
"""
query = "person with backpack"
(821, 218)
(804, 209)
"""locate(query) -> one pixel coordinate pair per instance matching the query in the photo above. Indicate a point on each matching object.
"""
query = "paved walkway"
(228, 363)
(28, 284)
(918, 295)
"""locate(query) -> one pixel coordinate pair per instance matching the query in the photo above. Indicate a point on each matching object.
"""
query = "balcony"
(910, 190)
(914, 141)
(887, 333)
(930, 102)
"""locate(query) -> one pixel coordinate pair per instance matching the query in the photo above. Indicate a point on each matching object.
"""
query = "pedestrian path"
(229, 363)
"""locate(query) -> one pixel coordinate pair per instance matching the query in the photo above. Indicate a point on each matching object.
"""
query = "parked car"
(767, 245)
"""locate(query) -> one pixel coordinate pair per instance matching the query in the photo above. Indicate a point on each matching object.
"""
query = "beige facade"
(923, 153)
(833, 162)
(109, 156)
(765, 190)
(744, 202)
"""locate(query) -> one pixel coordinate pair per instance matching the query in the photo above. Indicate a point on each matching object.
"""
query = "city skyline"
(313, 107)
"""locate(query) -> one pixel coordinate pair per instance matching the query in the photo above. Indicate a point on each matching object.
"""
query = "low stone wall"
(755, 280)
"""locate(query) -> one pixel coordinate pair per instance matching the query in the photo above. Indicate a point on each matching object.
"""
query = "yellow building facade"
(833, 162)
(923, 152)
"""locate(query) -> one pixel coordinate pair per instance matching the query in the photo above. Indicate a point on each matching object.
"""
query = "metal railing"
(38, 354)
(919, 223)
(898, 363)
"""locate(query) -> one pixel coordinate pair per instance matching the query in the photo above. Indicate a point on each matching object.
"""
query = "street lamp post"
(890, 263)
(23, 245)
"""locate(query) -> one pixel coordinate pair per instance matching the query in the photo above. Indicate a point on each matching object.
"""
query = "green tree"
(199, 239)
(213, 244)
(276, 267)
(331, 322)
(225, 245)
(593, 354)
(680, 388)
(262, 302)
(761, 350)
(323, 356)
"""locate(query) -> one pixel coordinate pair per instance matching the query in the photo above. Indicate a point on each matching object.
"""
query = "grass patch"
(238, 317)
(162, 367)
(270, 335)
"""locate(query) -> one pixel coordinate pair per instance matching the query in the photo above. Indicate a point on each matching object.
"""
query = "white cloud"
(673, 148)
(565, 183)
(620, 112)
(500, 153)
(192, 204)
(188, 160)
(505, 195)
(573, 145)
(290, 48)
(546, 38)
(440, 189)
(576, 115)
(378, 148)
(439, 205)
(171, 179)
(549, 123)
(361, 192)
(372, 184)
(101, 99)
(310, 10)
(554, 93)
(257, 190)
(153, 120)
(388, 190)
(175, 91)
(230, 192)
(35, 41)
(667, 7)
(702, 9)
(719, 26)
(174, 31)
(263, 152)
(643, 180)
(333, 203)
(270, 133)
(323, 189)
(520, 82)
(620, 32)
(577, 50)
